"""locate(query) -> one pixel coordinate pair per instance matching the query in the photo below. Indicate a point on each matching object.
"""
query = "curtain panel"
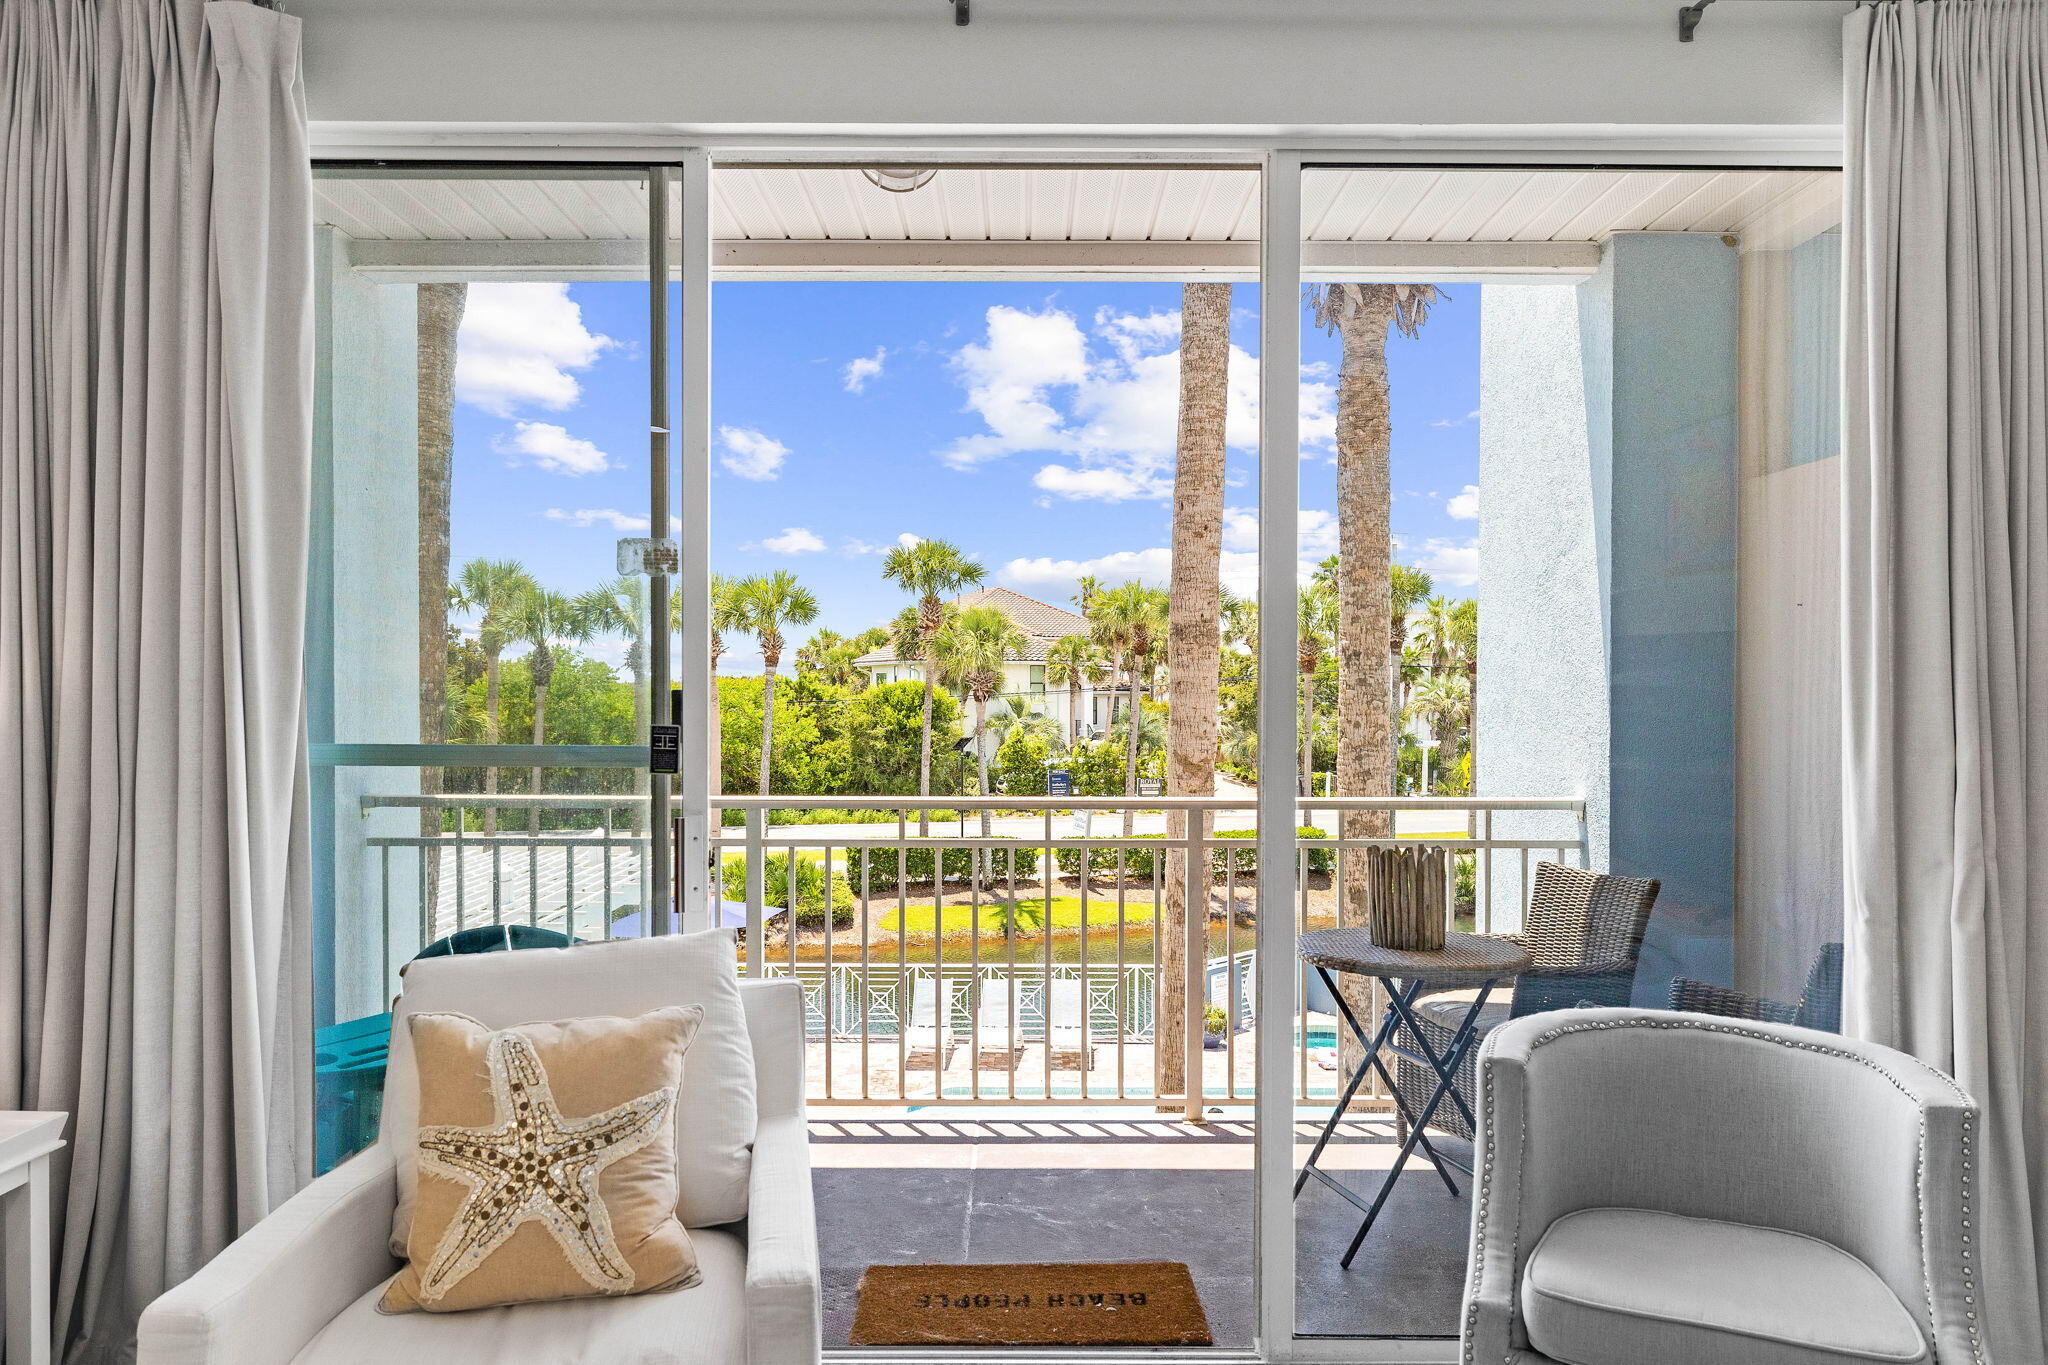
(155, 426)
(1945, 590)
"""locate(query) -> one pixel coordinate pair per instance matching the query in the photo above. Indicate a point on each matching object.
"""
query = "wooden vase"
(1404, 896)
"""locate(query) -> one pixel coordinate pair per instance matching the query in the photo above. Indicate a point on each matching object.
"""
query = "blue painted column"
(1670, 432)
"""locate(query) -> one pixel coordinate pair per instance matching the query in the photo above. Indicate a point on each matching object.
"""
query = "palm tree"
(1407, 586)
(1465, 648)
(1193, 653)
(493, 589)
(931, 571)
(1131, 622)
(1316, 628)
(541, 617)
(1086, 588)
(1240, 622)
(1437, 633)
(440, 308)
(1361, 315)
(727, 617)
(971, 651)
(1074, 661)
(770, 602)
(1442, 704)
(619, 607)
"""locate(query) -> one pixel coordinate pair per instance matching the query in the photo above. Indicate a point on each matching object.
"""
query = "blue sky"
(1032, 424)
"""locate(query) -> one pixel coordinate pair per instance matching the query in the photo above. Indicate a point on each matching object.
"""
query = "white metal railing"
(963, 968)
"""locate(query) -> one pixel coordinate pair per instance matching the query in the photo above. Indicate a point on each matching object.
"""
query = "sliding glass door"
(488, 637)
(1621, 664)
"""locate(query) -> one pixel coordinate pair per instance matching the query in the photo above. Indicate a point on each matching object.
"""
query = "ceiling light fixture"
(899, 179)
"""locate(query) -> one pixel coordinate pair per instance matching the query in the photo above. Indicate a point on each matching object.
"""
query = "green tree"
(1130, 622)
(1442, 704)
(930, 571)
(492, 589)
(1407, 586)
(1316, 626)
(1072, 662)
(971, 652)
(769, 602)
(542, 617)
(619, 607)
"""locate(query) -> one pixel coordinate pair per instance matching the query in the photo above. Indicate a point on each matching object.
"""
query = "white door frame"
(1280, 263)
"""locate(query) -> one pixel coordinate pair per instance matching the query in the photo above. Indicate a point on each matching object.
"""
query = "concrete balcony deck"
(938, 1185)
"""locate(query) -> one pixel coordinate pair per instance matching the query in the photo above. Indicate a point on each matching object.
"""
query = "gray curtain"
(1945, 540)
(155, 418)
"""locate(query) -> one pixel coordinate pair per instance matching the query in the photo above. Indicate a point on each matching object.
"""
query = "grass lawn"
(1066, 914)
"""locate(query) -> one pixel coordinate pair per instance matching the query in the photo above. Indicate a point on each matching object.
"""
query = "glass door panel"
(479, 657)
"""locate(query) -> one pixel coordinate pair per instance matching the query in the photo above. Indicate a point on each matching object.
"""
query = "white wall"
(1313, 65)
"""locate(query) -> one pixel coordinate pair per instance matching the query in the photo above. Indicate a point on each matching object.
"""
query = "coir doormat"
(1108, 1303)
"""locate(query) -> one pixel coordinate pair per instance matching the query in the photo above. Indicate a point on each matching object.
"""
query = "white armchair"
(301, 1285)
(1691, 1190)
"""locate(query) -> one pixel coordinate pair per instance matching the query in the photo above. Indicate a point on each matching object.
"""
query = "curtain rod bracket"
(1689, 17)
(960, 13)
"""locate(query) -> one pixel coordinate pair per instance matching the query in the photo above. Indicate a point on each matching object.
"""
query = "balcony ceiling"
(782, 219)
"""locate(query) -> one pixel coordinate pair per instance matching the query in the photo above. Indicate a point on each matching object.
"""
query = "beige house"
(1024, 685)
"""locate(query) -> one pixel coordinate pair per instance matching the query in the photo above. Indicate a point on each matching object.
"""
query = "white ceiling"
(1177, 223)
(1095, 205)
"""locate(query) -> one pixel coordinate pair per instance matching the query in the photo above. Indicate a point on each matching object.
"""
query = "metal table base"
(1400, 1014)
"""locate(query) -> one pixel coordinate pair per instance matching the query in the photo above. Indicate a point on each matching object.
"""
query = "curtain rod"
(1689, 17)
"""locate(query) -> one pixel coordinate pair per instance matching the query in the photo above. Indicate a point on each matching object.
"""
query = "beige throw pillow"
(547, 1161)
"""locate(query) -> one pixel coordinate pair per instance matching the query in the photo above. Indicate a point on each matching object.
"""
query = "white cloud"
(1471, 416)
(862, 368)
(1464, 506)
(856, 546)
(1105, 401)
(1451, 562)
(1317, 530)
(622, 522)
(517, 346)
(1239, 570)
(1105, 483)
(553, 449)
(794, 540)
(1007, 375)
(751, 454)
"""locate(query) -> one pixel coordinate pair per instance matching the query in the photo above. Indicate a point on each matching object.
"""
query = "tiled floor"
(896, 1189)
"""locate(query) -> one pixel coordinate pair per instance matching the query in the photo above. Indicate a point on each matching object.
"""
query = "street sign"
(1150, 786)
(1059, 782)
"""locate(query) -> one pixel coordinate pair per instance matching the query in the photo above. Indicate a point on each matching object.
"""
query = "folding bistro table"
(1465, 961)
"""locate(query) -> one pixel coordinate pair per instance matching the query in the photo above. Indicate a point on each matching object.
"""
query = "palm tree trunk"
(767, 722)
(1193, 659)
(1364, 599)
(716, 762)
(540, 733)
(1308, 732)
(1134, 710)
(439, 319)
(981, 754)
(1394, 710)
(924, 751)
(490, 737)
(1073, 710)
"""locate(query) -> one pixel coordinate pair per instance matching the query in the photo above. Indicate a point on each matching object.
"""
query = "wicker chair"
(1819, 1007)
(1584, 931)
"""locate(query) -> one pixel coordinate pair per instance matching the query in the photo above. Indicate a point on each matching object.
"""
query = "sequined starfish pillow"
(547, 1162)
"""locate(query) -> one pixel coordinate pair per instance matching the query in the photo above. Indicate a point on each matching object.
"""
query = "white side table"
(26, 1141)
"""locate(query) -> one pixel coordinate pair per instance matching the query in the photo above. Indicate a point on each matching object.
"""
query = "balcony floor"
(917, 1187)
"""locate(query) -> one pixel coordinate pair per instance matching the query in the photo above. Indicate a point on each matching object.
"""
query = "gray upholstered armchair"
(1694, 1190)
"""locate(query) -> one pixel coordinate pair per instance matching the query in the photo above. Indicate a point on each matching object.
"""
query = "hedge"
(886, 868)
(808, 910)
(1138, 861)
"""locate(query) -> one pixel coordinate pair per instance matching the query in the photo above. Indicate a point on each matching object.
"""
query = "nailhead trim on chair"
(1484, 1180)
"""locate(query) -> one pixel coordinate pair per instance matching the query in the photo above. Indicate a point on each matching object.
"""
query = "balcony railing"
(1020, 967)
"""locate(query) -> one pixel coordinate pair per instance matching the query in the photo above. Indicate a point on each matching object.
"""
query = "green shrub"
(807, 911)
(884, 869)
(1138, 862)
